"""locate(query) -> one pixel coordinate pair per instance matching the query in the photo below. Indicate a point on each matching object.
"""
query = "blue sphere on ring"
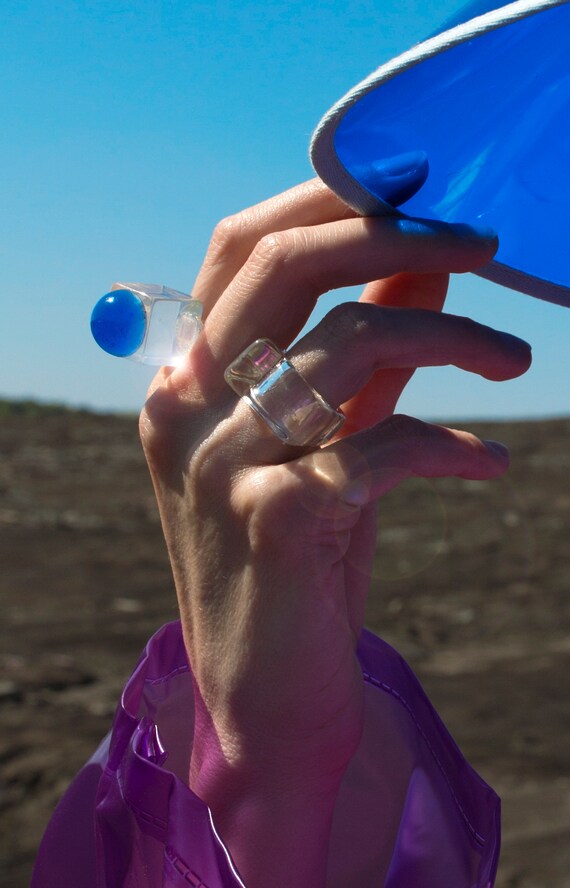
(118, 323)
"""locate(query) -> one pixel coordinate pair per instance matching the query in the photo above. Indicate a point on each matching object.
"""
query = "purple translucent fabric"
(411, 812)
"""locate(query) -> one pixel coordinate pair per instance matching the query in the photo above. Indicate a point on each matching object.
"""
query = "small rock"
(127, 605)
(10, 692)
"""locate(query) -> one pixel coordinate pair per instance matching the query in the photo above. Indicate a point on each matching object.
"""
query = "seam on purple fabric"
(144, 815)
(481, 840)
(178, 670)
(183, 869)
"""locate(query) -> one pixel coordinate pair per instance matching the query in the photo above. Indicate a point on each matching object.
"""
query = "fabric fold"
(411, 811)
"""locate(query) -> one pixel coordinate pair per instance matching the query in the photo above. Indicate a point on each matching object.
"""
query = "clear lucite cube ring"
(263, 376)
(148, 323)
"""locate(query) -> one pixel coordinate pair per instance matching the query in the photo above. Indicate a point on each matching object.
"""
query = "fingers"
(311, 203)
(321, 496)
(354, 340)
(379, 397)
(361, 469)
(234, 238)
(274, 293)
(408, 290)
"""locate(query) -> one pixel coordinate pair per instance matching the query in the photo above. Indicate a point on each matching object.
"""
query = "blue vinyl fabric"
(492, 114)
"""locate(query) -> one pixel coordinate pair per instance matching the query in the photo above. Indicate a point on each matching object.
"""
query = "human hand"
(271, 546)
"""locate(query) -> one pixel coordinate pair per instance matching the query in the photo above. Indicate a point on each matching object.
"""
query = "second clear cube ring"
(263, 376)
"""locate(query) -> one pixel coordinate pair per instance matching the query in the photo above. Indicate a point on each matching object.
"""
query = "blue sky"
(130, 128)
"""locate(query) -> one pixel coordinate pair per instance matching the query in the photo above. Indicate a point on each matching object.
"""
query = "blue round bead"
(118, 323)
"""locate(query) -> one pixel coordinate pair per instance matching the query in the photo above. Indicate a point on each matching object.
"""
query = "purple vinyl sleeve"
(411, 812)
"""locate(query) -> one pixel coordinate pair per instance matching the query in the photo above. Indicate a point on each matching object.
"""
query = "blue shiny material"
(394, 179)
(493, 117)
(118, 323)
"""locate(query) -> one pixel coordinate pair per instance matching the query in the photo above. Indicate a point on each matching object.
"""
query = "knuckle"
(403, 427)
(176, 437)
(290, 512)
(473, 335)
(155, 427)
(226, 234)
(468, 326)
(269, 499)
(283, 252)
(273, 251)
(344, 322)
(203, 471)
(216, 448)
(271, 504)
(161, 440)
(208, 474)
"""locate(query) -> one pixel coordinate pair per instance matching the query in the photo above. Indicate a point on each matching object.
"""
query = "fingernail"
(429, 227)
(396, 179)
(515, 342)
(497, 449)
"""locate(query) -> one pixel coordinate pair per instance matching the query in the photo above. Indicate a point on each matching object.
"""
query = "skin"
(271, 546)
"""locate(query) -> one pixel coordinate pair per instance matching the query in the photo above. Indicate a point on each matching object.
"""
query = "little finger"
(368, 464)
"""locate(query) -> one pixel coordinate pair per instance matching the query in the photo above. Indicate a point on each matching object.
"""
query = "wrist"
(274, 817)
(275, 835)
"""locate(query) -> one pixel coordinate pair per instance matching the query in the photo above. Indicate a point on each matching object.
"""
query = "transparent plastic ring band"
(263, 376)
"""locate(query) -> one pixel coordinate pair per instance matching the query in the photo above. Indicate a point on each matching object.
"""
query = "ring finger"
(355, 340)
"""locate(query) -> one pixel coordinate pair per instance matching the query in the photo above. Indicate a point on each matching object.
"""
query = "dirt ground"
(470, 584)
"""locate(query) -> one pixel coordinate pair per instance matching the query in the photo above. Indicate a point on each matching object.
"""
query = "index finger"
(274, 293)
(235, 237)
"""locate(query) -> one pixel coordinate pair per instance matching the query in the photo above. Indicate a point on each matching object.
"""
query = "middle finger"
(275, 291)
(356, 340)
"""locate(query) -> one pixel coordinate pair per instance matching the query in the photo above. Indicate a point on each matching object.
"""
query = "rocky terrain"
(471, 584)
